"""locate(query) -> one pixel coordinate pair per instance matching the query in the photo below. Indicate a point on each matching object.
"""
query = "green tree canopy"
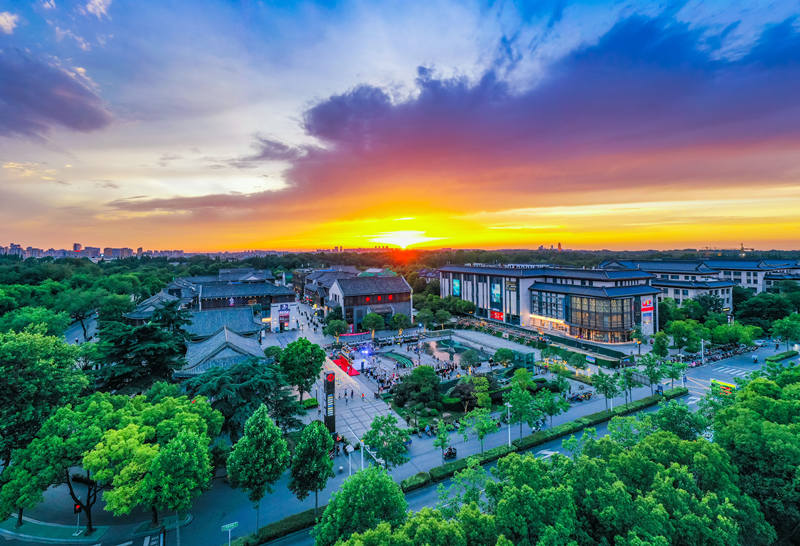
(25, 317)
(301, 363)
(38, 376)
(372, 322)
(364, 500)
(421, 386)
(387, 440)
(259, 459)
(335, 328)
(401, 321)
(504, 356)
(239, 390)
(312, 465)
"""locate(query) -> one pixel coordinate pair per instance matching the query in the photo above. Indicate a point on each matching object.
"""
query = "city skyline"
(220, 126)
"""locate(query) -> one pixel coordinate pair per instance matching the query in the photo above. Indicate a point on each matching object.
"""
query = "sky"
(207, 125)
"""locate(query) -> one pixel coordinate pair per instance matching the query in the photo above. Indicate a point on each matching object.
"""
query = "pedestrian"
(351, 393)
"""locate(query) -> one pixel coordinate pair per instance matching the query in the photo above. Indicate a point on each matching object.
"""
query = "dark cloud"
(35, 97)
(106, 184)
(267, 149)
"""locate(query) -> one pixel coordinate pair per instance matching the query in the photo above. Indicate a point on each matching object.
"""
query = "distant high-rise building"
(139, 251)
(559, 247)
(77, 247)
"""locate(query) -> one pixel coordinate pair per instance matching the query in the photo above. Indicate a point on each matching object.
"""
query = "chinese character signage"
(496, 315)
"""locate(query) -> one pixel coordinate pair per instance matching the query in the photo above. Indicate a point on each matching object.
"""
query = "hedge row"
(309, 403)
(280, 528)
(781, 356)
(304, 520)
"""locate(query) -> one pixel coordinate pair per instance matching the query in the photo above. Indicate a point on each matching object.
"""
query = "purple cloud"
(629, 110)
(35, 97)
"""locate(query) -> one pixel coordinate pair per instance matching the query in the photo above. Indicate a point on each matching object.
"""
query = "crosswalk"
(545, 453)
(730, 370)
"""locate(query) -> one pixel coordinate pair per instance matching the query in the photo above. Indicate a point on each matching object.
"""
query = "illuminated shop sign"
(457, 287)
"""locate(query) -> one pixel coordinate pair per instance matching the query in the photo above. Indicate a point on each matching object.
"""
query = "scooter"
(450, 453)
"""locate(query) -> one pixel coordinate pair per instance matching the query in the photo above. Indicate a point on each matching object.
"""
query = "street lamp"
(639, 344)
(508, 414)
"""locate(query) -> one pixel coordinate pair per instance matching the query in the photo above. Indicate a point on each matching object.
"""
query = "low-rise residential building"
(358, 296)
(592, 304)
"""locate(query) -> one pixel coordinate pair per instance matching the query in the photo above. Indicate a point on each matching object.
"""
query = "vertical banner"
(330, 402)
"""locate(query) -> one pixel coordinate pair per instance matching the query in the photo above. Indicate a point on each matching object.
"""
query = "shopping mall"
(592, 304)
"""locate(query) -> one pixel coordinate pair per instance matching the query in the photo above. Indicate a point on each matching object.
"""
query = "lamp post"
(508, 414)
(639, 344)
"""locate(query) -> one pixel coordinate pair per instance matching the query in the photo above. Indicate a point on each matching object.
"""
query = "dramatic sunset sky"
(232, 125)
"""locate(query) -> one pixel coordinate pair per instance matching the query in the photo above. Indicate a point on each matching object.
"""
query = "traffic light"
(76, 509)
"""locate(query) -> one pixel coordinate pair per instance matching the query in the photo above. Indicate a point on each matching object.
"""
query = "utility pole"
(508, 414)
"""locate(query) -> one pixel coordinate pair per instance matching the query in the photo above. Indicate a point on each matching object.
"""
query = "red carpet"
(345, 365)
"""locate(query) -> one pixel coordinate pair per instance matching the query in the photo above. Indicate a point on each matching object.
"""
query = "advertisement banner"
(496, 315)
(647, 304)
(495, 296)
(457, 288)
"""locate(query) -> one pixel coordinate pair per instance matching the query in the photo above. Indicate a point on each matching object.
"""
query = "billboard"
(457, 287)
(647, 304)
(496, 295)
(496, 315)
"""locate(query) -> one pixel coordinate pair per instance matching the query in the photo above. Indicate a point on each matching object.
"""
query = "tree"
(426, 317)
(519, 397)
(480, 421)
(172, 318)
(661, 345)
(464, 390)
(674, 371)
(401, 321)
(259, 459)
(421, 386)
(577, 361)
(466, 488)
(504, 356)
(115, 440)
(131, 358)
(469, 358)
(607, 385)
(482, 397)
(443, 316)
(653, 369)
(388, 440)
(763, 309)
(80, 304)
(364, 500)
(178, 474)
(627, 382)
(442, 440)
(668, 311)
(301, 362)
(38, 376)
(759, 431)
(312, 465)
(25, 317)
(372, 322)
(787, 329)
(550, 403)
(273, 352)
(678, 419)
(238, 391)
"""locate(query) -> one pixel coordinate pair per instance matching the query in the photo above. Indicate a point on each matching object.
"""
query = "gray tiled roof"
(244, 290)
(365, 286)
(245, 274)
(668, 283)
(596, 291)
(145, 309)
(236, 319)
(696, 267)
(751, 265)
(224, 348)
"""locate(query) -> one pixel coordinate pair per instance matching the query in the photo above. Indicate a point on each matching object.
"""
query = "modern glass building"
(591, 304)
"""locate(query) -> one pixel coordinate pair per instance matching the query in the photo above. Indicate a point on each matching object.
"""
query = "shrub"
(280, 528)
(781, 356)
(416, 481)
(309, 403)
